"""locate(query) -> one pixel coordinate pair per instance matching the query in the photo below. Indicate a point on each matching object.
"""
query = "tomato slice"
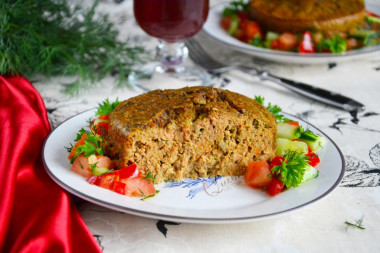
(287, 41)
(81, 166)
(276, 161)
(138, 187)
(274, 187)
(294, 123)
(257, 174)
(225, 23)
(251, 29)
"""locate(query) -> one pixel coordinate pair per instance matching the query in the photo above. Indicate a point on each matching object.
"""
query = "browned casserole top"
(315, 10)
(160, 107)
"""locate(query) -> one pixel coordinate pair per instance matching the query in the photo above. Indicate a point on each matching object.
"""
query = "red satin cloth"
(36, 215)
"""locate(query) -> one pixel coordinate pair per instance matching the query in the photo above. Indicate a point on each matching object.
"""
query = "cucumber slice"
(314, 141)
(99, 170)
(285, 130)
(283, 145)
(235, 21)
(310, 173)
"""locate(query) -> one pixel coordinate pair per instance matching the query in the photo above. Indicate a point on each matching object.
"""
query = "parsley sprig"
(292, 168)
(92, 144)
(274, 109)
(106, 107)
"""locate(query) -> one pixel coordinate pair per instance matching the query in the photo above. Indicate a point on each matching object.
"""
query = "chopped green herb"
(274, 109)
(292, 169)
(143, 197)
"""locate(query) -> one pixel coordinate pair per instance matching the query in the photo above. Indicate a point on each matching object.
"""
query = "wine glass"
(172, 22)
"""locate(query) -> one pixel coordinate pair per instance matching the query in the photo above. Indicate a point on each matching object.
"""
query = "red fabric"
(36, 215)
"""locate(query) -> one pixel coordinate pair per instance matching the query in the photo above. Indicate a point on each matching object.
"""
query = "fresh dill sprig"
(143, 197)
(149, 178)
(358, 224)
(52, 38)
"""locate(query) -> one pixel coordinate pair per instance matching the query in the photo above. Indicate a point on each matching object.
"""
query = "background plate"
(214, 200)
(213, 29)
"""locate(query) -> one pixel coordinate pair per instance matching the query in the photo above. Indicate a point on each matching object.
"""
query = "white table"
(318, 228)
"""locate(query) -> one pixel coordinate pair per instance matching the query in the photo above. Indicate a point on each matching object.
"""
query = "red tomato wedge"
(287, 41)
(95, 180)
(119, 187)
(130, 171)
(307, 44)
(138, 187)
(107, 181)
(274, 187)
(257, 174)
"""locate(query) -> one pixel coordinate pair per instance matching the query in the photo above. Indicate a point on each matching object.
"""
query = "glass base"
(153, 76)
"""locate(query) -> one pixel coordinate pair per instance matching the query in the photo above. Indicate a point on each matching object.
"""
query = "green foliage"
(292, 169)
(336, 44)
(106, 107)
(52, 38)
(235, 7)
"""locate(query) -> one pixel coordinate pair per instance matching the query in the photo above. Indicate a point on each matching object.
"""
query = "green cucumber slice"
(283, 145)
(310, 173)
(99, 170)
(288, 131)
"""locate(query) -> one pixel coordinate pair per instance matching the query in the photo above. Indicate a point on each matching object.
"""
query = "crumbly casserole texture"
(190, 132)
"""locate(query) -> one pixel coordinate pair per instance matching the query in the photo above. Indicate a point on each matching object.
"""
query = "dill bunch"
(52, 38)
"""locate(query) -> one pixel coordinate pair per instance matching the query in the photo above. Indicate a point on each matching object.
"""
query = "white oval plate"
(213, 200)
(213, 29)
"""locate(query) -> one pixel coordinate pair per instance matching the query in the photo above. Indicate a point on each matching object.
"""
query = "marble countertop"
(317, 228)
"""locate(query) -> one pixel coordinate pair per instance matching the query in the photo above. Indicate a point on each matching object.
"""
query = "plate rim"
(197, 220)
(285, 56)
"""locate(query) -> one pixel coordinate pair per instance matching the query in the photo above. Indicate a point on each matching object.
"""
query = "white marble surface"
(318, 228)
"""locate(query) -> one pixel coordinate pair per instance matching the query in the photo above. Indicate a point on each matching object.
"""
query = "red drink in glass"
(171, 20)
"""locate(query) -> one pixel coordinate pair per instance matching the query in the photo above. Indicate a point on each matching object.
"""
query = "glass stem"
(171, 57)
